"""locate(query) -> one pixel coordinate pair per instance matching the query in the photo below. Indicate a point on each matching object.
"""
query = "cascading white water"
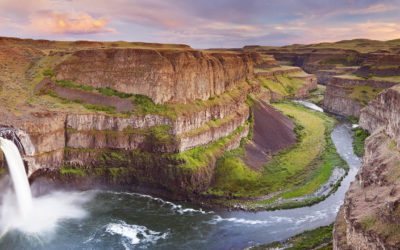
(39, 216)
(18, 176)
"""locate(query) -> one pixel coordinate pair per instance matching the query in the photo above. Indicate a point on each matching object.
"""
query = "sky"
(202, 23)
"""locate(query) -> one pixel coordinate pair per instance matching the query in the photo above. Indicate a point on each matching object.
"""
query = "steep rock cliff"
(285, 81)
(347, 95)
(42, 135)
(163, 75)
(378, 64)
(370, 215)
(324, 63)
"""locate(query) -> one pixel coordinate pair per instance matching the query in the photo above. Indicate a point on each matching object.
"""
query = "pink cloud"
(68, 23)
(156, 13)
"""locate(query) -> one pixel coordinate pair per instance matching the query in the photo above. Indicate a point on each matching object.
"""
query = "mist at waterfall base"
(122, 220)
(38, 216)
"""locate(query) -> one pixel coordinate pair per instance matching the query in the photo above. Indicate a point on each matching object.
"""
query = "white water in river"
(34, 216)
(310, 105)
(18, 176)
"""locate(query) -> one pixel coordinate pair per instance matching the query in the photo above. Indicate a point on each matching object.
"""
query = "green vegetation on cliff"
(363, 94)
(186, 171)
(202, 156)
(317, 95)
(359, 137)
(144, 105)
(394, 79)
(347, 60)
(296, 171)
(284, 84)
(319, 238)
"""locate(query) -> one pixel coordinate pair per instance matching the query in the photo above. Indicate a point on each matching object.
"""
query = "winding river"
(118, 220)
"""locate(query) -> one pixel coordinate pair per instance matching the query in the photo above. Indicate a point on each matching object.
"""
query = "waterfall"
(18, 175)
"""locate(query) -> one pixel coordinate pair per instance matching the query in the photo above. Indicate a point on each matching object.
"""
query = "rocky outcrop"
(160, 173)
(383, 112)
(324, 63)
(286, 82)
(310, 84)
(337, 99)
(42, 135)
(277, 71)
(212, 131)
(346, 95)
(324, 76)
(370, 215)
(96, 121)
(163, 75)
(377, 64)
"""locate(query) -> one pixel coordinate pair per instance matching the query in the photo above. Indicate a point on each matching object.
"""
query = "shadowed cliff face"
(380, 65)
(347, 95)
(163, 75)
(370, 216)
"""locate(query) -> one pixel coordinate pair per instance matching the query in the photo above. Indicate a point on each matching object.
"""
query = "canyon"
(354, 71)
(135, 115)
(362, 82)
(184, 124)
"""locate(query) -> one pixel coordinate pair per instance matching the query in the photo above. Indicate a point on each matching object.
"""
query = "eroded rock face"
(370, 215)
(336, 99)
(383, 111)
(309, 81)
(163, 75)
(42, 135)
(157, 171)
(210, 134)
(88, 122)
(377, 64)
(321, 62)
(338, 94)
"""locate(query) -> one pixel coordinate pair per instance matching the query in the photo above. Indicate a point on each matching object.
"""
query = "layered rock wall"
(212, 133)
(43, 137)
(163, 75)
(324, 63)
(283, 76)
(338, 97)
(377, 64)
(370, 215)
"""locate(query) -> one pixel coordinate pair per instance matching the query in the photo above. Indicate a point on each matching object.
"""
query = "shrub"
(146, 105)
(48, 72)
(359, 140)
(111, 92)
(77, 100)
(66, 83)
(110, 110)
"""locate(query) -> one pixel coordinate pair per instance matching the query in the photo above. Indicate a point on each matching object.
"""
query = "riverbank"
(319, 238)
(301, 175)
